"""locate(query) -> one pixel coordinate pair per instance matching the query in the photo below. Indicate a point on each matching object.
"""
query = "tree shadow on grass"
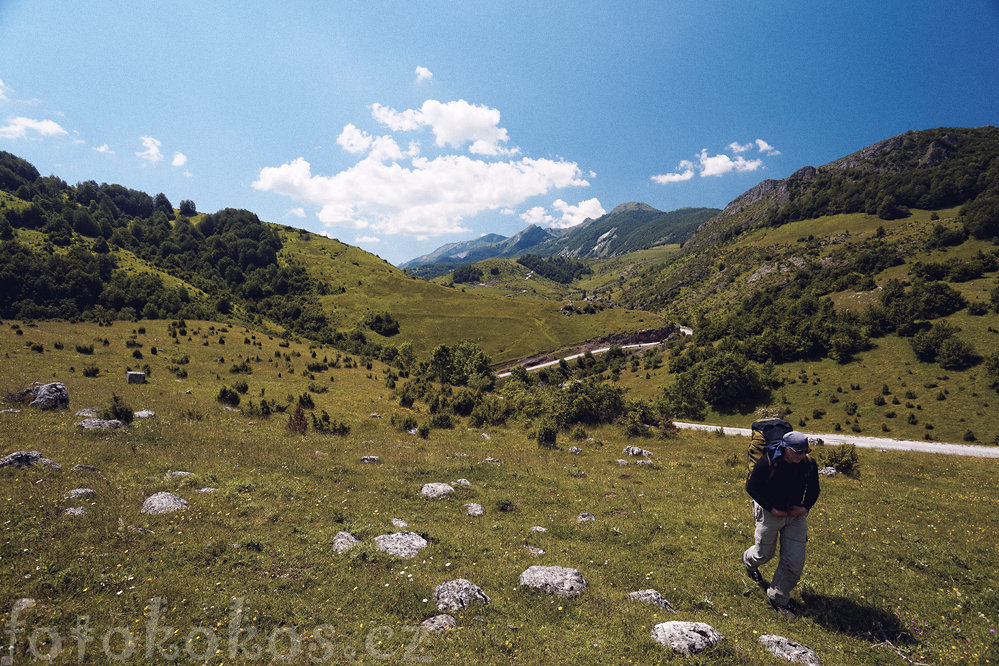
(847, 616)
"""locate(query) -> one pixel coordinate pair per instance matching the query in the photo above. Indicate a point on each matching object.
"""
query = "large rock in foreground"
(344, 541)
(787, 650)
(653, 598)
(163, 503)
(26, 459)
(435, 490)
(100, 424)
(458, 593)
(401, 544)
(50, 396)
(686, 637)
(560, 581)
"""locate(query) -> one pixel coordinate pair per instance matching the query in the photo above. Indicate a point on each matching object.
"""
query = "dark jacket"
(792, 484)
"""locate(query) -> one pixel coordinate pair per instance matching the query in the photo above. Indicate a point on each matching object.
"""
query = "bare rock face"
(457, 594)
(401, 544)
(651, 597)
(560, 581)
(435, 490)
(686, 637)
(787, 650)
(26, 459)
(50, 396)
(163, 503)
(344, 541)
(439, 623)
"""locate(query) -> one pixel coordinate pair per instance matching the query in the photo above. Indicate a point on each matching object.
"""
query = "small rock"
(204, 491)
(828, 471)
(22, 605)
(585, 517)
(413, 431)
(367, 460)
(179, 475)
(622, 463)
(84, 468)
(457, 594)
(100, 424)
(89, 412)
(788, 650)
(462, 482)
(375, 416)
(399, 522)
(536, 552)
(230, 408)
(134, 377)
(80, 493)
(439, 623)
(435, 490)
(50, 396)
(139, 530)
(485, 436)
(637, 452)
(321, 453)
(474, 509)
(75, 511)
(644, 462)
(459, 454)
(344, 541)
(491, 460)
(163, 502)
(575, 450)
(401, 544)
(10, 411)
(560, 581)
(26, 459)
(686, 637)
(538, 528)
(652, 597)
(144, 414)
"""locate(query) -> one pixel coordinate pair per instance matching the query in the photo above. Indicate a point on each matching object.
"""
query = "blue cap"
(795, 440)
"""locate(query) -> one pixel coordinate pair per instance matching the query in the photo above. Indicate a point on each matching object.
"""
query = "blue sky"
(400, 126)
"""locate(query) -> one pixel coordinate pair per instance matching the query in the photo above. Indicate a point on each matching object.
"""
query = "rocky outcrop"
(401, 544)
(344, 541)
(560, 581)
(787, 650)
(48, 396)
(459, 593)
(163, 503)
(686, 637)
(26, 459)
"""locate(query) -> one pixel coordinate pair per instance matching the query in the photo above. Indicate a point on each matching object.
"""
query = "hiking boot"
(756, 577)
(783, 611)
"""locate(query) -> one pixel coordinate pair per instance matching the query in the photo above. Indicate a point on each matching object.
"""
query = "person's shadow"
(847, 616)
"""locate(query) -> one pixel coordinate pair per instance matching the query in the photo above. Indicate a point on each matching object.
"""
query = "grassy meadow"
(903, 553)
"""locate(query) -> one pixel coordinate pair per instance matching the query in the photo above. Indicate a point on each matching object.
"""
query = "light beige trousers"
(793, 536)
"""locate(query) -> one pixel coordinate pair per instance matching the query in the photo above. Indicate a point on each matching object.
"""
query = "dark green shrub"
(118, 410)
(91, 371)
(305, 401)
(228, 397)
(843, 458)
(547, 434)
(85, 349)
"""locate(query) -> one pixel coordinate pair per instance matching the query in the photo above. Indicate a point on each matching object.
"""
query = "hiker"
(784, 484)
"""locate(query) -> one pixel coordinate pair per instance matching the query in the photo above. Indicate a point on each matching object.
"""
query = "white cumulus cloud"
(179, 159)
(573, 215)
(453, 124)
(737, 147)
(152, 152)
(20, 128)
(430, 198)
(766, 147)
(297, 212)
(685, 171)
(717, 165)
(537, 215)
(354, 140)
(423, 74)
(105, 149)
(720, 164)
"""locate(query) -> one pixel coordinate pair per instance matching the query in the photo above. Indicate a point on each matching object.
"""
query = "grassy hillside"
(900, 568)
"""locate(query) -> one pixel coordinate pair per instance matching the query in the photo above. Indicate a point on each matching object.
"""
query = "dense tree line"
(557, 269)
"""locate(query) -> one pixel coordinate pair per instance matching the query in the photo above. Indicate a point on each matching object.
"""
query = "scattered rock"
(100, 424)
(75, 511)
(622, 463)
(321, 453)
(435, 490)
(10, 411)
(575, 450)
(230, 408)
(413, 431)
(644, 462)
(204, 491)
(462, 482)
(637, 452)
(457, 594)
(491, 460)
(84, 468)
(485, 436)
(80, 493)
(144, 414)
(179, 475)
(439, 623)
(538, 528)
(828, 471)
(561, 581)
(401, 544)
(22, 605)
(375, 416)
(344, 541)
(89, 412)
(26, 459)
(368, 460)
(399, 522)
(652, 597)
(585, 517)
(49, 396)
(686, 637)
(163, 502)
(134, 377)
(536, 552)
(474, 509)
(787, 650)
(459, 454)
(139, 530)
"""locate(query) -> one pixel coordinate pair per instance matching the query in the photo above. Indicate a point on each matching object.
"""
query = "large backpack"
(765, 431)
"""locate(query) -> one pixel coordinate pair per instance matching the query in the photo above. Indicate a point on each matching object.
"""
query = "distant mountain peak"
(633, 206)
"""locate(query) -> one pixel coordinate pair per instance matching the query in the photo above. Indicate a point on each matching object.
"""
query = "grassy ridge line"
(883, 548)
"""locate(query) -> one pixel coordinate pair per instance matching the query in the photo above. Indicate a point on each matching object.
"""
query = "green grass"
(909, 544)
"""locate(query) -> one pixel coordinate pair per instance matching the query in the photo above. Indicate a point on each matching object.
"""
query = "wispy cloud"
(105, 149)
(367, 239)
(685, 171)
(297, 212)
(4, 90)
(152, 152)
(22, 128)
(423, 74)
